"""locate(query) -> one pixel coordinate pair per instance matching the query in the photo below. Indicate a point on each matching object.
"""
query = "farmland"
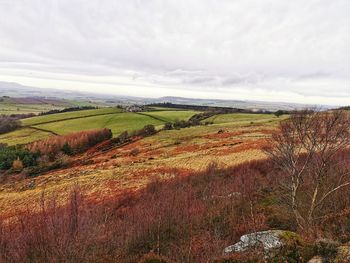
(10, 106)
(240, 118)
(41, 127)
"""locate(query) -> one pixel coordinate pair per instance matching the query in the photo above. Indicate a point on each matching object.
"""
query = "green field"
(118, 123)
(170, 115)
(9, 106)
(23, 136)
(68, 115)
(242, 118)
(68, 122)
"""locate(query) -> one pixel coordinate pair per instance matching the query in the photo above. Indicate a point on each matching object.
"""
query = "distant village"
(134, 108)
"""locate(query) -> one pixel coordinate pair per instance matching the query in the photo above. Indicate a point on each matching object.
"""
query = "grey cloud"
(270, 45)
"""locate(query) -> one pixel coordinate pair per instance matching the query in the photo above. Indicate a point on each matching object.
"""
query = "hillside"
(232, 141)
(201, 186)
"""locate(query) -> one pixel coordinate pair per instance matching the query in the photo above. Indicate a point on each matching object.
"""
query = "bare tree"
(306, 149)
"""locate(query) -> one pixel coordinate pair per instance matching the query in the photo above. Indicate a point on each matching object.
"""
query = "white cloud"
(238, 49)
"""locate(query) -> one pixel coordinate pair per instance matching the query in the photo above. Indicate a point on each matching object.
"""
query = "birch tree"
(306, 149)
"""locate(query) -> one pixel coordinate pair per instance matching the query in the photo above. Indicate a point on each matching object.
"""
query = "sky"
(268, 50)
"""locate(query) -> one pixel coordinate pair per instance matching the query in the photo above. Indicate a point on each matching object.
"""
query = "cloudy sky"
(274, 50)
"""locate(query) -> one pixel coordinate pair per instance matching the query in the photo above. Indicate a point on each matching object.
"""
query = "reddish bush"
(76, 142)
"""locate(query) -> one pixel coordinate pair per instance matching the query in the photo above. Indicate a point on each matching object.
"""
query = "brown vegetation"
(78, 141)
(191, 216)
(182, 219)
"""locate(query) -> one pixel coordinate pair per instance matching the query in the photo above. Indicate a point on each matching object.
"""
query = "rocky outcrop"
(270, 240)
(285, 245)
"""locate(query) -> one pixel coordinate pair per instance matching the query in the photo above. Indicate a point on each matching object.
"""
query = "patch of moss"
(295, 249)
(291, 238)
(343, 253)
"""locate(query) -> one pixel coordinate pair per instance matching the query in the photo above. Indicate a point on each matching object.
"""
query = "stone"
(316, 259)
(31, 184)
(269, 240)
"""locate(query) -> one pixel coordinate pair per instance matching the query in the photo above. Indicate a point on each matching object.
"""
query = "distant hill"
(241, 104)
(17, 90)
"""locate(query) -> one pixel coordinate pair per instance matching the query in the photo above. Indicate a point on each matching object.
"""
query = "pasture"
(41, 127)
(10, 106)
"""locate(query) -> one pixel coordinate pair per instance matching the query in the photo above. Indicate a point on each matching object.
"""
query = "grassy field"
(68, 115)
(170, 115)
(117, 122)
(68, 122)
(11, 106)
(241, 118)
(23, 136)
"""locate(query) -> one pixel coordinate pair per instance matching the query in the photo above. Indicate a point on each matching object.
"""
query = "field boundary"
(153, 117)
(41, 129)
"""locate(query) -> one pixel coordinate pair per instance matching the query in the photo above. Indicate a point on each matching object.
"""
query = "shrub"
(66, 149)
(8, 124)
(326, 248)
(280, 113)
(181, 124)
(17, 165)
(3, 145)
(9, 154)
(147, 130)
(168, 126)
(123, 137)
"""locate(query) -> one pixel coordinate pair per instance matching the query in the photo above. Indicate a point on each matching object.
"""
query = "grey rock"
(316, 259)
(268, 240)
